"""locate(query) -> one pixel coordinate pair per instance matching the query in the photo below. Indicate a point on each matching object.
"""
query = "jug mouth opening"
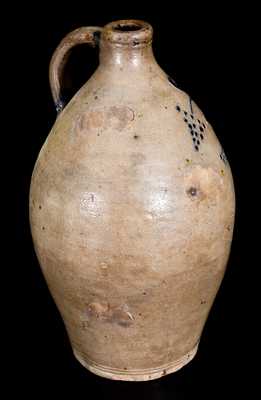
(135, 33)
(127, 26)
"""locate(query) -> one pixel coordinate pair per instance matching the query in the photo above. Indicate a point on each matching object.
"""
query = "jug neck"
(126, 44)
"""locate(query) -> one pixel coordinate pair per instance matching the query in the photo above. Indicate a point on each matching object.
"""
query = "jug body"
(132, 211)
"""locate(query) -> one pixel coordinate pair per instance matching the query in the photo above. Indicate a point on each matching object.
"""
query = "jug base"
(139, 374)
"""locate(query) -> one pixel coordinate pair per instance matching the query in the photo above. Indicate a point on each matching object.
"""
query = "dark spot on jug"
(192, 191)
(59, 105)
(96, 37)
(223, 157)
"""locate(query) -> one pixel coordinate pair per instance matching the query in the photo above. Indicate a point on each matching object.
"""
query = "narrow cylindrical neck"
(122, 56)
(126, 44)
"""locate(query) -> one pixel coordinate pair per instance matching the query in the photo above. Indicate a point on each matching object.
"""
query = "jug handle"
(89, 35)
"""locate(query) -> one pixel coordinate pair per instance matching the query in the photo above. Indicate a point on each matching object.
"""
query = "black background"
(206, 51)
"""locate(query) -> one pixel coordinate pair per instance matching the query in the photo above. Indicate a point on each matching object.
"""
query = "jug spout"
(126, 42)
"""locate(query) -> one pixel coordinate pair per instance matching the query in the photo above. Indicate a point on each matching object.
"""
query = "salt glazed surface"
(131, 209)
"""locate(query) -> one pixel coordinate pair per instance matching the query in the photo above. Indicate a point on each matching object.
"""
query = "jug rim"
(131, 32)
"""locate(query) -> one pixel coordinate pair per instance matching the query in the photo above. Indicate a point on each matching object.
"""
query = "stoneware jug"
(131, 210)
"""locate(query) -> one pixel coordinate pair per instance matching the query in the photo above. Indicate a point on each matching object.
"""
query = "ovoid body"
(131, 210)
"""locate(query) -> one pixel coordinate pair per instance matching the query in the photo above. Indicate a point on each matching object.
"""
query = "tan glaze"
(131, 217)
